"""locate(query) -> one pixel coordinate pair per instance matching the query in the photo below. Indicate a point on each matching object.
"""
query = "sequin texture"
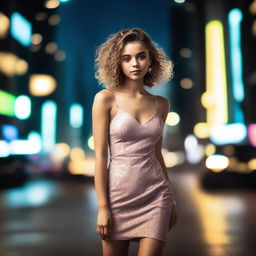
(140, 197)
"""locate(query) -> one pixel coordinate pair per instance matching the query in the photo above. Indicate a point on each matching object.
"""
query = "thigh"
(150, 247)
(115, 247)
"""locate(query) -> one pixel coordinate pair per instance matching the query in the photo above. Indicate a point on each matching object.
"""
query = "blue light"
(180, 1)
(64, 1)
(23, 107)
(48, 125)
(235, 17)
(33, 194)
(21, 29)
(9, 132)
(76, 115)
(222, 134)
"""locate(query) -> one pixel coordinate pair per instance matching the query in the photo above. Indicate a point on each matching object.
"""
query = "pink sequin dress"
(140, 197)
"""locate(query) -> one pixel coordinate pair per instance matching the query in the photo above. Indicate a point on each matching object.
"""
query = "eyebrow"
(136, 54)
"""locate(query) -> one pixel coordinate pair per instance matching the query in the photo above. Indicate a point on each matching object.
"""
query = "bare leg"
(115, 247)
(150, 247)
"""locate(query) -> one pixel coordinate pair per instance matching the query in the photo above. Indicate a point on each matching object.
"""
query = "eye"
(142, 57)
(126, 59)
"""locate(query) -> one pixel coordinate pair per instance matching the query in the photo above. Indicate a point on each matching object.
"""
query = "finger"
(105, 230)
(109, 223)
(98, 229)
(101, 230)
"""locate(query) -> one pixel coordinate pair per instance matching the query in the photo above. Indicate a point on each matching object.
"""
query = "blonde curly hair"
(108, 57)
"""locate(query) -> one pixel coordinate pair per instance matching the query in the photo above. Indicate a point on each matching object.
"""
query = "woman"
(135, 198)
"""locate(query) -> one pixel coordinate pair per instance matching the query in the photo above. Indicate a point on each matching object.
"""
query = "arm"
(164, 107)
(100, 122)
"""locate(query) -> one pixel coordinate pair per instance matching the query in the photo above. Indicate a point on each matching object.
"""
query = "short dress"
(139, 196)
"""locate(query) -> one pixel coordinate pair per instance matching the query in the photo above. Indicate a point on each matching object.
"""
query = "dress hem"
(135, 239)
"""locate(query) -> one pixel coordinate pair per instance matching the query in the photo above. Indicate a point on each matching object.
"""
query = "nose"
(135, 62)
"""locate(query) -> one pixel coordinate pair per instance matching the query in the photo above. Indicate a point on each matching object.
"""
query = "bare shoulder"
(103, 97)
(163, 103)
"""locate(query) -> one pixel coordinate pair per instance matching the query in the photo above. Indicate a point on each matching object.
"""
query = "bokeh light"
(217, 162)
(4, 25)
(51, 4)
(172, 119)
(22, 107)
(42, 84)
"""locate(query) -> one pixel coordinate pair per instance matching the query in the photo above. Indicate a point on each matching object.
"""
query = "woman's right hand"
(103, 222)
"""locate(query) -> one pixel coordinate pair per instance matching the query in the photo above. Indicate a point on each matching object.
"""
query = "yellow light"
(4, 25)
(207, 100)
(186, 83)
(237, 166)
(173, 158)
(252, 8)
(41, 16)
(185, 52)
(233, 162)
(202, 130)
(60, 152)
(51, 4)
(21, 67)
(170, 159)
(216, 80)
(7, 63)
(252, 164)
(212, 210)
(76, 154)
(91, 143)
(82, 166)
(172, 119)
(242, 167)
(209, 149)
(42, 85)
(11, 65)
(60, 56)
(36, 38)
(54, 20)
(51, 48)
(217, 163)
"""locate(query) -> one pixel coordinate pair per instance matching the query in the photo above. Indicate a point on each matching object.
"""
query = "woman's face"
(135, 60)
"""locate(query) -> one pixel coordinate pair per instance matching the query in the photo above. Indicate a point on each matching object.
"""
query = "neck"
(134, 87)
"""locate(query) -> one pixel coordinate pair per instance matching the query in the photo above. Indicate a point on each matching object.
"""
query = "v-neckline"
(132, 117)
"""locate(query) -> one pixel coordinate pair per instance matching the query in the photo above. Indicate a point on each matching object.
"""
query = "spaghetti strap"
(113, 97)
(156, 104)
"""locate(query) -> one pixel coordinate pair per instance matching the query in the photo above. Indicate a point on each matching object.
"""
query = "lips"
(136, 71)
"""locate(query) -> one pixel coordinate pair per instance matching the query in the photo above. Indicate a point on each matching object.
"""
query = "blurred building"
(30, 62)
(45, 97)
(215, 78)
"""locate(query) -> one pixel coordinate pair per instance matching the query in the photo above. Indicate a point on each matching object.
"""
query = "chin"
(136, 78)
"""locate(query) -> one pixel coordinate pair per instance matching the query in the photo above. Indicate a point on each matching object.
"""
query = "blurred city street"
(48, 83)
(58, 218)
